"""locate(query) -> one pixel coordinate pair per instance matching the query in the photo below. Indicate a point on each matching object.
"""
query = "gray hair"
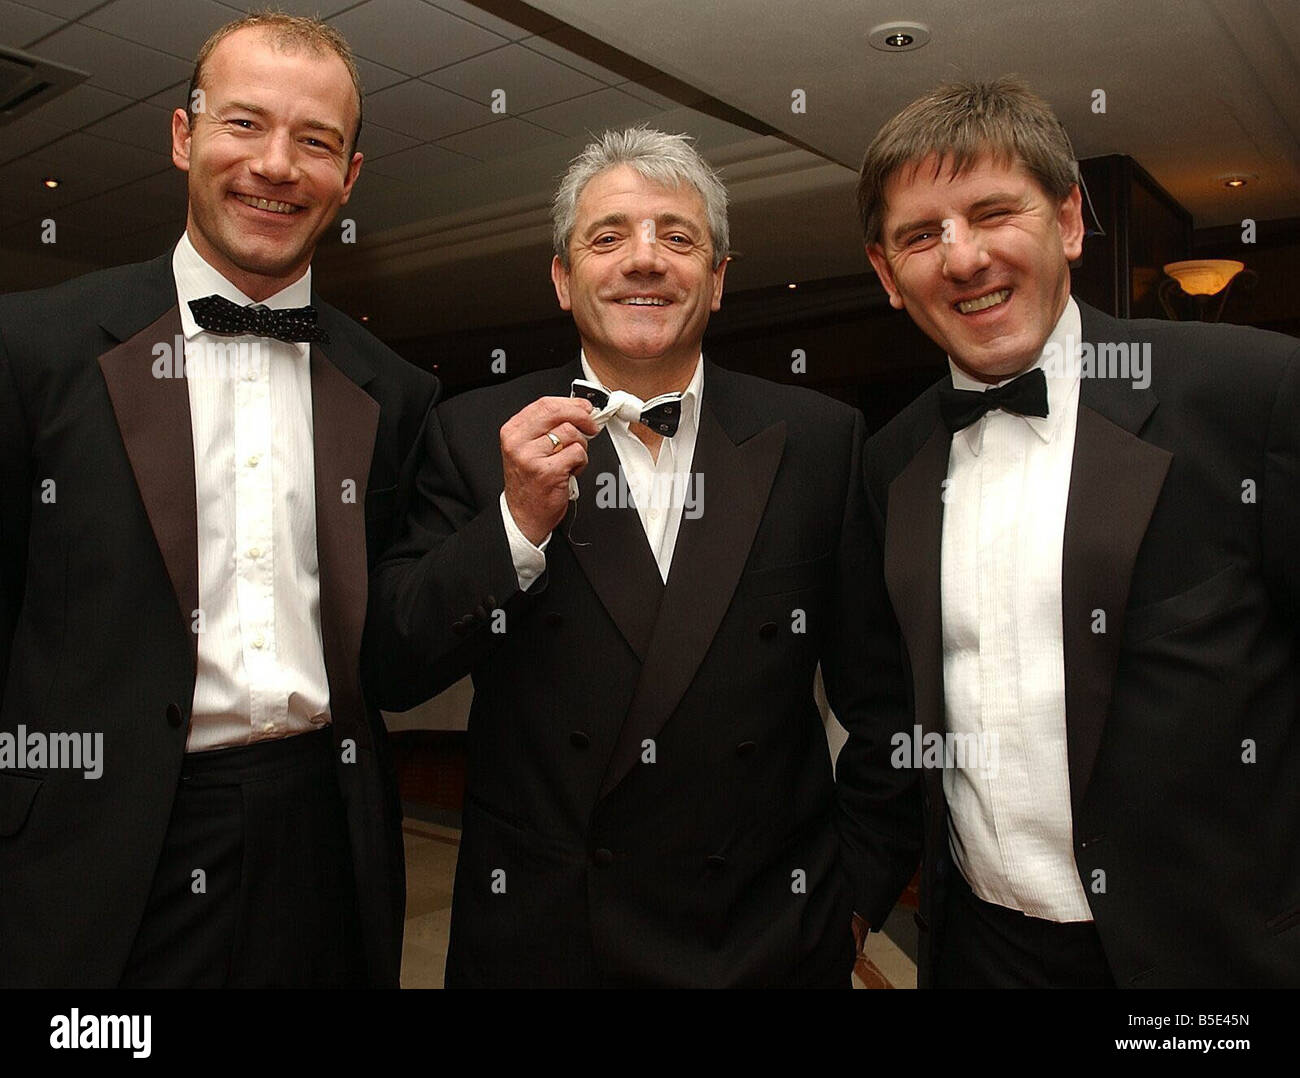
(668, 160)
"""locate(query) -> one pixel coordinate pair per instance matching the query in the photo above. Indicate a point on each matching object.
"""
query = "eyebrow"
(666, 220)
(310, 125)
(998, 198)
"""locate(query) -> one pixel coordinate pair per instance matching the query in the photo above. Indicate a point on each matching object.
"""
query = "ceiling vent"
(27, 82)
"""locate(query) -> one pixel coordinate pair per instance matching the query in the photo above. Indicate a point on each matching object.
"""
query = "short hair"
(959, 123)
(288, 33)
(668, 160)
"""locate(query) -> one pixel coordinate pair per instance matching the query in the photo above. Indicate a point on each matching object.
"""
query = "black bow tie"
(292, 324)
(1026, 395)
(662, 414)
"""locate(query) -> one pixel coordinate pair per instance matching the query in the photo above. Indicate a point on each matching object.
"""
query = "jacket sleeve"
(442, 598)
(15, 507)
(878, 806)
(1280, 492)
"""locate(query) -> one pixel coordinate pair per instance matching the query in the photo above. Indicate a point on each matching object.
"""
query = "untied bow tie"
(217, 314)
(661, 414)
(1026, 395)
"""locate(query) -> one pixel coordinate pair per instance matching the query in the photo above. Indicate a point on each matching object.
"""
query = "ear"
(718, 275)
(560, 278)
(354, 170)
(881, 265)
(181, 139)
(1069, 219)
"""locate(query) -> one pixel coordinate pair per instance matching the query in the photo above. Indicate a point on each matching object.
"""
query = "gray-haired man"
(650, 797)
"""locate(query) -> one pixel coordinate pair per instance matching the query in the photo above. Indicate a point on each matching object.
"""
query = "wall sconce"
(1206, 280)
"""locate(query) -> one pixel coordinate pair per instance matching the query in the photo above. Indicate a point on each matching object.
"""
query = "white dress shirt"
(1010, 824)
(659, 488)
(261, 667)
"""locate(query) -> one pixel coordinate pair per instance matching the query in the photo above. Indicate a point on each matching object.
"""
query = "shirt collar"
(691, 396)
(195, 278)
(1059, 361)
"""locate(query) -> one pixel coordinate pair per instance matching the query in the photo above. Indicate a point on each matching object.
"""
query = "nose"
(644, 255)
(962, 250)
(277, 163)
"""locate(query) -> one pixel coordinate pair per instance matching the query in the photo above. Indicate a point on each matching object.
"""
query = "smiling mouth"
(268, 204)
(983, 303)
(643, 301)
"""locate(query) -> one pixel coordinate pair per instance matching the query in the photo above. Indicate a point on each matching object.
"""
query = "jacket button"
(715, 860)
(579, 740)
(603, 858)
(479, 613)
(173, 715)
(767, 630)
(460, 627)
(746, 747)
(554, 619)
(490, 602)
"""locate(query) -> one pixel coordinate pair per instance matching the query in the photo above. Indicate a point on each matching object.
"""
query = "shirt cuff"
(530, 561)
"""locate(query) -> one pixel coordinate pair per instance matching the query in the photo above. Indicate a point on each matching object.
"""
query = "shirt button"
(254, 460)
(255, 552)
(268, 727)
(250, 376)
(259, 641)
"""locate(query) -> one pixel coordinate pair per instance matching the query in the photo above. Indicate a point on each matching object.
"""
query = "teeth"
(644, 301)
(970, 306)
(267, 204)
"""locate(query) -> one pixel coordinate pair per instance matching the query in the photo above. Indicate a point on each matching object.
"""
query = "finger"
(547, 413)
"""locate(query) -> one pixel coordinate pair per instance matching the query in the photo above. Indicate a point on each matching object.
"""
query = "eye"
(240, 120)
(677, 239)
(918, 238)
(607, 240)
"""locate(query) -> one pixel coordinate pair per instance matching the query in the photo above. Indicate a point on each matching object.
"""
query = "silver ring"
(556, 444)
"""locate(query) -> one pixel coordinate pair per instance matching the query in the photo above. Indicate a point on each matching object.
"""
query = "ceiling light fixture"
(51, 182)
(1236, 180)
(899, 36)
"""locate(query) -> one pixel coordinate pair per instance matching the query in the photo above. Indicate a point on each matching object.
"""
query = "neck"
(255, 286)
(640, 380)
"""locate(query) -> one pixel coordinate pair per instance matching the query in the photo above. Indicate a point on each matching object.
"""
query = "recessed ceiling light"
(365, 318)
(1237, 179)
(792, 285)
(51, 182)
(899, 36)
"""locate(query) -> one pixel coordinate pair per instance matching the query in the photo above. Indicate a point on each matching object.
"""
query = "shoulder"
(759, 403)
(898, 441)
(488, 407)
(87, 296)
(394, 371)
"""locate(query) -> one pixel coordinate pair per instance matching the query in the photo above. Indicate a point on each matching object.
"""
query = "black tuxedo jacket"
(1182, 528)
(98, 582)
(650, 797)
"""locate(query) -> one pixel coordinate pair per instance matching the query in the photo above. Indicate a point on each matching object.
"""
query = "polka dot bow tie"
(661, 414)
(292, 324)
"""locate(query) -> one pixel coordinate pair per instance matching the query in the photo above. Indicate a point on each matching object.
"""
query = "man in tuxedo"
(649, 796)
(191, 487)
(1090, 534)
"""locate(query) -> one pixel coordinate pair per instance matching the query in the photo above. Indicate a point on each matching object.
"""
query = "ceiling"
(451, 208)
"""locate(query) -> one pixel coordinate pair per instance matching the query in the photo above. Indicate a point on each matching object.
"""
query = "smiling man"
(1095, 571)
(198, 462)
(650, 798)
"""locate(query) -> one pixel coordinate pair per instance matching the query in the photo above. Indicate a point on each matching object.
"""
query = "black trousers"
(990, 946)
(254, 887)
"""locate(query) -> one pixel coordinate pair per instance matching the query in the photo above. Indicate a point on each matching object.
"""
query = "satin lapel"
(710, 554)
(609, 544)
(153, 416)
(1115, 481)
(345, 420)
(913, 557)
